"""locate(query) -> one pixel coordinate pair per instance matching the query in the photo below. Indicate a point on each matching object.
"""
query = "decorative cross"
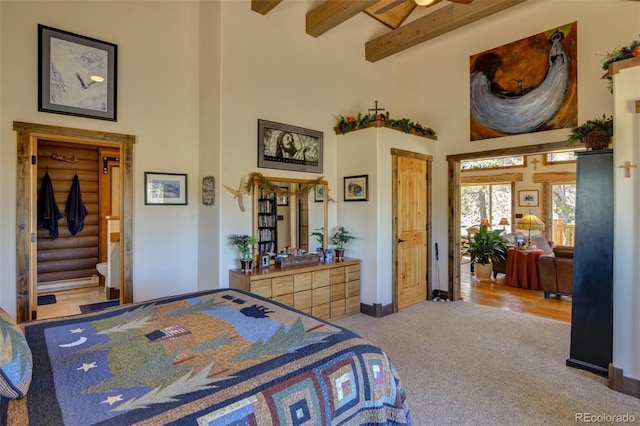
(627, 166)
(535, 162)
(376, 109)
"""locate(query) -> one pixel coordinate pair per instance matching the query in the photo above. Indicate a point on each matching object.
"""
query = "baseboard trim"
(618, 382)
(376, 310)
(583, 365)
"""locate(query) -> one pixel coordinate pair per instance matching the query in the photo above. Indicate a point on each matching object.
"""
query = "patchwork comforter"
(220, 357)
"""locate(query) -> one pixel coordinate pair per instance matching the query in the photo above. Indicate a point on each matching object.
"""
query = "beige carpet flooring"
(468, 364)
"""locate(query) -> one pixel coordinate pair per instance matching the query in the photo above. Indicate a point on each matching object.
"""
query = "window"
(494, 163)
(559, 157)
(563, 209)
(485, 201)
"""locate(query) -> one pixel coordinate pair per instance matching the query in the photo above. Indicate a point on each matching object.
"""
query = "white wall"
(626, 292)
(194, 78)
(368, 152)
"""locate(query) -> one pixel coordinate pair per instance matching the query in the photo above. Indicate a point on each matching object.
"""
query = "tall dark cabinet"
(592, 299)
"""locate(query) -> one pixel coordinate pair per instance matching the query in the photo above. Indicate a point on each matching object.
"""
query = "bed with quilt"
(219, 357)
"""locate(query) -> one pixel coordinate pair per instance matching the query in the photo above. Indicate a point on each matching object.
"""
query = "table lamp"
(530, 222)
(503, 222)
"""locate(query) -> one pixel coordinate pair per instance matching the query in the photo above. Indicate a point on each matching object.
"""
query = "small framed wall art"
(76, 74)
(286, 147)
(165, 188)
(356, 188)
(528, 198)
(319, 194)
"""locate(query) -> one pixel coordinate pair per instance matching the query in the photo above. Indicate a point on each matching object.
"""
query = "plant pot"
(597, 140)
(483, 272)
(246, 265)
(339, 254)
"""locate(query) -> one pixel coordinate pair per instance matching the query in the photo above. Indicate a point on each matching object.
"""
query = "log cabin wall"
(69, 257)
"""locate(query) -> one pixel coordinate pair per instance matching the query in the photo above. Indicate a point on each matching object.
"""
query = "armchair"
(556, 271)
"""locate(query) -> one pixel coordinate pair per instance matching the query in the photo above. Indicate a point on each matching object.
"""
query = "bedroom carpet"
(46, 299)
(85, 309)
(468, 364)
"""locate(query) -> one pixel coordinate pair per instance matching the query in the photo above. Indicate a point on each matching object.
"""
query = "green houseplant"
(486, 248)
(339, 239)
(245, 245)
(318, 234)
(594, 133)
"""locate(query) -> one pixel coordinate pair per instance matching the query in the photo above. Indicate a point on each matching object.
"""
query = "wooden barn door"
(69, 258)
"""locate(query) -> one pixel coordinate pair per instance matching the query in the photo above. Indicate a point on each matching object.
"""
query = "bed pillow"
(15, 359)
(541, 242)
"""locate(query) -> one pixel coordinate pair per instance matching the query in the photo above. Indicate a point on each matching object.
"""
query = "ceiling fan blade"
(389, 7)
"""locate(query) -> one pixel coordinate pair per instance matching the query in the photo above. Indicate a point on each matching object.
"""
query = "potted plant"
(318, 234)
(486, 248)
(339, 239)
(245, 244)
(595, 133)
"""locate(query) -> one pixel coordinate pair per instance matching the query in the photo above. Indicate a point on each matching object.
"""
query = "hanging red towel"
(48, 211)
(75, 210)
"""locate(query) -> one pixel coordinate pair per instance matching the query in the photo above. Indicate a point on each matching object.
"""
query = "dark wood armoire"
(592, 299)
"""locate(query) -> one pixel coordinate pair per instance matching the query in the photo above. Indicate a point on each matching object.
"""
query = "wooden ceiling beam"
(331, 13)
(264, 6)
(439, 22)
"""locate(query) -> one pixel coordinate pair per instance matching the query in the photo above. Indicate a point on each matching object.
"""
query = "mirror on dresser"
(286, 211)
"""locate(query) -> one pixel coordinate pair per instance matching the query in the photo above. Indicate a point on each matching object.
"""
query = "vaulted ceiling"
(331, 13)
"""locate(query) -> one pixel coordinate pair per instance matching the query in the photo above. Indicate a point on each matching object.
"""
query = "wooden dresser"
(325, 290)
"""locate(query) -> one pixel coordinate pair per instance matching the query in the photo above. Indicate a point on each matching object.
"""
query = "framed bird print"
(165, 188)
(76, 74)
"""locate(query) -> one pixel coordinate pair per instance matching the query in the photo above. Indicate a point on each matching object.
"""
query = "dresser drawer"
(282, 285)
(353, 288)
(337, 291)
(322, 311)
(352, 272)
(353, 305)
(338, 308)
(321, 278)
(287, 299)
(302, 299)
(337, 275)
(302, 282)
(321, 295)
(262, 288)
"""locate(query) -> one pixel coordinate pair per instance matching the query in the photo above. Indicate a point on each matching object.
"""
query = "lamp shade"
(530, 222)
(504, 221)
(484, 221)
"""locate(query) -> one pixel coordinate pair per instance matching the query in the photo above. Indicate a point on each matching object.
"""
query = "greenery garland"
(618, 54)
(280, 191)
(404, 124)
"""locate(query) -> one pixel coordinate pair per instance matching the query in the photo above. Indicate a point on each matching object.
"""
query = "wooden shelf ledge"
(383, 124)
(616, 67)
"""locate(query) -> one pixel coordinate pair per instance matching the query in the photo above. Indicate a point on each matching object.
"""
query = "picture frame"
(286, 147)
(528, 198)
(77, 87)
(356, 188)
(318, 196)
(165, 188)
(282, 200)
(264, 261)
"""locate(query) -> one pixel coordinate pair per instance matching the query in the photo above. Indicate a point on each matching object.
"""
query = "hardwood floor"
(68, 302)
(491, 293)
(496, 293)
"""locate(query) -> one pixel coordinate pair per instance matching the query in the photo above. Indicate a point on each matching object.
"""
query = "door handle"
(400, 241)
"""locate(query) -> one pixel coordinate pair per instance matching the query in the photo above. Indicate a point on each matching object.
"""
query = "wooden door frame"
(454, 198)
(395, 153)
(28, 135)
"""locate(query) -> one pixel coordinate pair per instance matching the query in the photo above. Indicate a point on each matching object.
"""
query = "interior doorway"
(28, 138)
(455, 185)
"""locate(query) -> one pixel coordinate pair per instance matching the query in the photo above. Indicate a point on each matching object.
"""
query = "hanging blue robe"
(48, 211)
(75, 210)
